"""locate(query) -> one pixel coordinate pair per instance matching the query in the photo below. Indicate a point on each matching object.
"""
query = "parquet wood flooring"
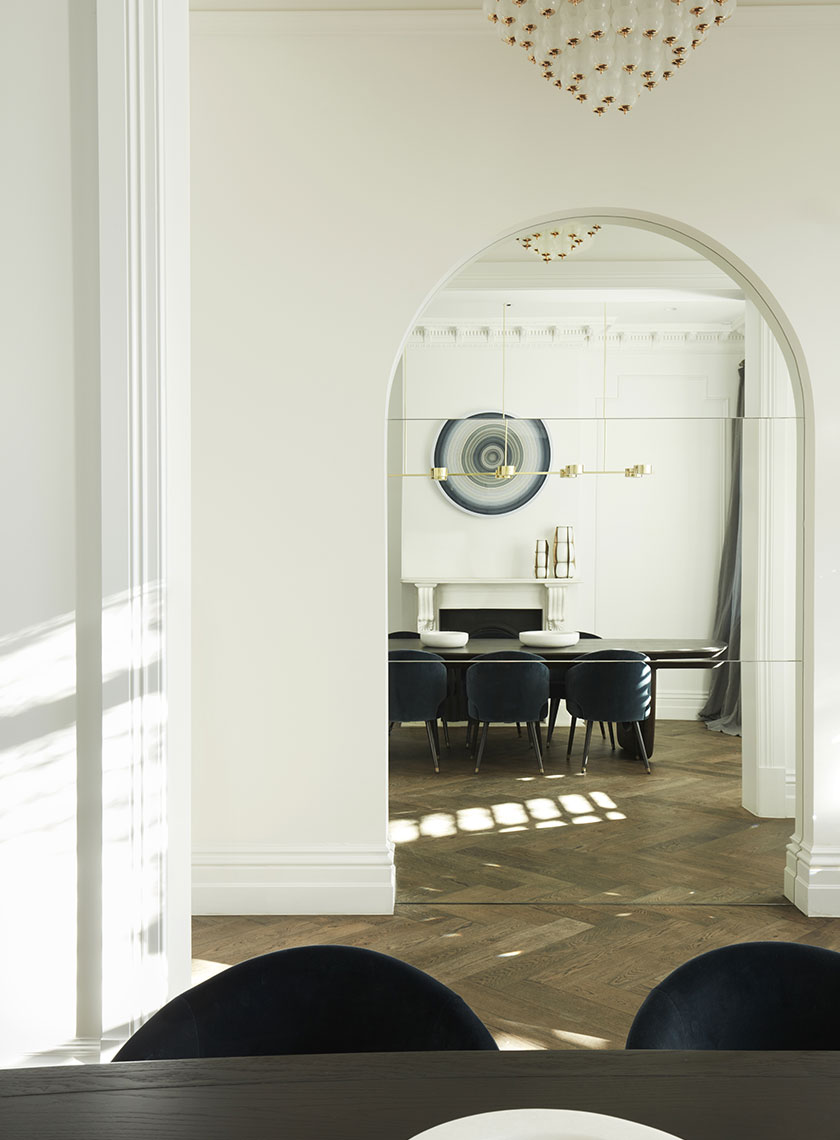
(554, 930)
(511, 835)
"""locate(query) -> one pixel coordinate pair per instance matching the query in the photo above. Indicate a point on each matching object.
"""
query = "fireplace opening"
(491, 623)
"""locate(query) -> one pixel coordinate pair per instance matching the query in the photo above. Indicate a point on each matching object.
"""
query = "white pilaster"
(770, 674)
(143, 184)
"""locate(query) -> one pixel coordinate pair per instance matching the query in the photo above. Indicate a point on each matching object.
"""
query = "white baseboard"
(265, 879)
(679, 704)
(812, 880)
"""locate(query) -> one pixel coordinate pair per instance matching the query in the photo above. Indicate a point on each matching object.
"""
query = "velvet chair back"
(609, 685)
(754, 995)
(311, 999)
(416, 685)
(507, 686)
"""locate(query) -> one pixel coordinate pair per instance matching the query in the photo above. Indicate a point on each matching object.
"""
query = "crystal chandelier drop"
(554, 241)
(606, 52)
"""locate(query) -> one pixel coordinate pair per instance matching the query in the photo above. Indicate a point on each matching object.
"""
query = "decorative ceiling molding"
(253, 17)
(537, 334)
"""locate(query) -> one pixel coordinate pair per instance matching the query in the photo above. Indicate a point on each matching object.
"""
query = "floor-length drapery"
(722, 711)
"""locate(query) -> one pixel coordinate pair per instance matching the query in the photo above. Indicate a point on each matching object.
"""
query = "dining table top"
(395, 1096)
(656, 648)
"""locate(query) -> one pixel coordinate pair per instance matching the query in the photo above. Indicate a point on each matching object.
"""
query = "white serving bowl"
(548, 638)
(444, 638)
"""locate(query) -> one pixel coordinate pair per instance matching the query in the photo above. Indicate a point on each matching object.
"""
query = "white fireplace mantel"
(432, 593)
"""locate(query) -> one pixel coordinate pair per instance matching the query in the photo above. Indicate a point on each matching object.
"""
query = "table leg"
(626, 732)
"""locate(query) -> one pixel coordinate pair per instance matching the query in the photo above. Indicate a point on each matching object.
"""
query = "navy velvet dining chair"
(753, 995)
(507, 687)
(557, 693)
(310, 999)
(416, 689)
(610, 685)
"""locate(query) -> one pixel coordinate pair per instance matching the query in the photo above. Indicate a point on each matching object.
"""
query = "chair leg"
(612, 735)
(571, 738)
(538, 728)
(481, 744)
(468, 744)
(533, 732)
(554, 708)
(446, 731)
(603, 733)
(391, 724)
(431, 736)
(586, 742)
(518, 729)
(436, 736)
(640, 741)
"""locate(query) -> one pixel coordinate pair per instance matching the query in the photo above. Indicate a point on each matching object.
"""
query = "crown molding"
(441, 333)
(273, 18)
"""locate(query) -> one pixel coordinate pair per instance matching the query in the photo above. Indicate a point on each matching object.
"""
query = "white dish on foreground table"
(444, 638)
(548, 638)
(542, 1124)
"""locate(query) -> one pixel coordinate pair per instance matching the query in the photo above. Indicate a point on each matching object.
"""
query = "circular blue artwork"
(477, 445)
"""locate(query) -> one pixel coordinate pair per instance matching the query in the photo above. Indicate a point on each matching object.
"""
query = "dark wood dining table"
(394, 1096)
(664, 653)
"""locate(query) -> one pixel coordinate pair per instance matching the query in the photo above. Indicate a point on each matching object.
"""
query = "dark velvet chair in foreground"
(312, 999)
(507, 687)
(416, 689)
(611, 685)
(754, 995)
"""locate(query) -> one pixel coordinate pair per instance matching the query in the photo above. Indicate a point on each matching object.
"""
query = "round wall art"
(477, 445)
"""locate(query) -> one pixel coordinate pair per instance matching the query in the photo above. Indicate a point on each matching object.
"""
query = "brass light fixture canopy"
(506, 471)
(439, 474)
(638, 470)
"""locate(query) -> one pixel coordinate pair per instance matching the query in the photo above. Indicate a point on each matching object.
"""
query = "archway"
(777, 324)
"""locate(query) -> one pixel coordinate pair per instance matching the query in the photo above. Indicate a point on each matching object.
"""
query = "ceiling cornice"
(441, 333)
(692, 275)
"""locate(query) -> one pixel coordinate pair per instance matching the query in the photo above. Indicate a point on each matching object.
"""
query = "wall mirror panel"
(648, 414)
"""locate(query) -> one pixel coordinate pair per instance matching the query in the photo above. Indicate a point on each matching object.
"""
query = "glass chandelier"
(554, 242)
(606, 52)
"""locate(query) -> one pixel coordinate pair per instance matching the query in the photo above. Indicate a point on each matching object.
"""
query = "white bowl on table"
(548, 638)
(444, 638)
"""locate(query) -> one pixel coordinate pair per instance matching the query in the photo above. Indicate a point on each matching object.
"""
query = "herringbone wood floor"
(555, 934)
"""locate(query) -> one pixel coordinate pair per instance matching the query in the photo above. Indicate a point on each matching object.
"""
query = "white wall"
(37, 598)
(335, 183)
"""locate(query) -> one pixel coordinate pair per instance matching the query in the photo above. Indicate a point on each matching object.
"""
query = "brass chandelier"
(606, 52)
(555, 241)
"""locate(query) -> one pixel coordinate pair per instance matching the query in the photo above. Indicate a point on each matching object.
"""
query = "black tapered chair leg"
(571, 738)
(641, 743)
(554, 708)
(391, 724)
(612, 735)
(538, 727)
(603, 731)
(533, 732)
(446, 731)
(436, 736)
(468, 744)
(518, 729)
(481, 744)
(433, 749)
(586, 742)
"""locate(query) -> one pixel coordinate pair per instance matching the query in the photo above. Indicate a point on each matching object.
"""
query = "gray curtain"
(722, 711)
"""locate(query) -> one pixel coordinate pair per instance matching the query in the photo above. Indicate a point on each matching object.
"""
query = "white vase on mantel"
(564, 552)
(541, 558)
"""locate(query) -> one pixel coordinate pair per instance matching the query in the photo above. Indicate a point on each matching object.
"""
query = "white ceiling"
(642, 278)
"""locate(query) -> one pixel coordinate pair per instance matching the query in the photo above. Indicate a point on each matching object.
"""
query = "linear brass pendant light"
(507, 470)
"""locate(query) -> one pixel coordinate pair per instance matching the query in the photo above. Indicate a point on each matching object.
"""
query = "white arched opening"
(769, 669)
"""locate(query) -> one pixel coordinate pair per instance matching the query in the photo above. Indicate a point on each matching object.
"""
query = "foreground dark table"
(664, 653)
(696, 1096)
